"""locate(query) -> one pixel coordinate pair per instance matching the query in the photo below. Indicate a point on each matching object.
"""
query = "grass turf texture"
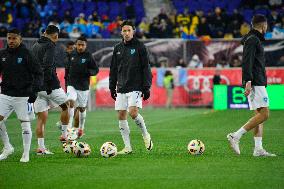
(167, 166)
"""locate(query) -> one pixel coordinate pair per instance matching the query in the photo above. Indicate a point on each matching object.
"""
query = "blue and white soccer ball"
(108, 150)
(196, 147)
(82, 149)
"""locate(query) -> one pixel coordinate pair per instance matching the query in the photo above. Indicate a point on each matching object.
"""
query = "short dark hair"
(69, 43)
(51, 29)
(82, 38)
(258, 19)
(128, 23)
(14, 31)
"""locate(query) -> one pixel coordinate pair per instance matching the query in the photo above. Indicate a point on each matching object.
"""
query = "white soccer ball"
(73, 145)
(67, 148)
(108, 150)
(72, 134)
(82, 149)
(196, 147)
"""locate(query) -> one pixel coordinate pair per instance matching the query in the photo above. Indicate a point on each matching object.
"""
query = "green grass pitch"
(167, 166)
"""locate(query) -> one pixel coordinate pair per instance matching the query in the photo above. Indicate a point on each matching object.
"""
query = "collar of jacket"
(13, 50)
(259, 35)
(44, 39)
(132, 41)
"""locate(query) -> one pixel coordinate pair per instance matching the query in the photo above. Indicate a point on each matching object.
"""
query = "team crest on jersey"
(83, 60)
(265, 99)
(132, 51)
(72, 58)
(118, 53)
(3, 59)
(19, 61)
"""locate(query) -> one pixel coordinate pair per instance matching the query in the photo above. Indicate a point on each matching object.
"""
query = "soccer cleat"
(25, 158)
(63, 139)
(148, 142)
(126, 150)
(42, 151)
(234, 142)
(262, 152)
(80, 133)
(6, 152)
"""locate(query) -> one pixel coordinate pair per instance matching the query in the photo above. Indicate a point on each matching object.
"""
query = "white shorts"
(20, 105)
(45, 102)
(125, 100)
(258, 98)
(80, 97)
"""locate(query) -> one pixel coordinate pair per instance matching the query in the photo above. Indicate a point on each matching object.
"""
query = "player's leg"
(41, 106)
(258, 148)
(82, 118)
(22, 109)
(135, 102)
(72, 97)
(5, 110)
(121, 107)
(82, 101)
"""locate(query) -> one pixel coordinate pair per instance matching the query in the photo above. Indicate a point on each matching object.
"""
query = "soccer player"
(70, 46)
(255, 81)
(52, 94)
(130, 79)
(81, 67)
(22, 78)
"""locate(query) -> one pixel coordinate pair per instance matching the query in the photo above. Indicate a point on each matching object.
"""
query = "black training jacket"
(67, 66)
(253, 66)
(21, 74)
(82, 66)
(44, 51)
(130, 67)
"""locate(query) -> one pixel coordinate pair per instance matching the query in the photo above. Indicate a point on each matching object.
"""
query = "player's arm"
(113, 72)
(93, 68)
(47, 64)
(67, 67)
(248, 61)
(36, 71)
(146, 68)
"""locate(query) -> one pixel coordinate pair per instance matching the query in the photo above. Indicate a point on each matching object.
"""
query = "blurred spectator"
(154, 30)
(181, 63)
(67, 16)
(273, 19)
(169, 86)
(195, 62)
(217, 77)
(25, 9)
(234, 28)
(163, 14)
(165, 29)
(245, 28)
(143, 28)
(82, 19)
(75, 33)
(130, 12)
(203, 27)
(223, 63)
(3, 31)
(6, 18)
(218, 24)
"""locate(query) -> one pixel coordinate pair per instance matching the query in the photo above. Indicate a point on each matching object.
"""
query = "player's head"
(259, 22)
(14, 38)
(127, 30)
(52, 33)
(70, 46)
(81, 44)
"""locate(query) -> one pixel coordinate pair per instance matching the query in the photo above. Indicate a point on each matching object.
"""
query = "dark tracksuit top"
(21, 74)
(81, 67)
(253, 66)
(44, 51)
(130, 67)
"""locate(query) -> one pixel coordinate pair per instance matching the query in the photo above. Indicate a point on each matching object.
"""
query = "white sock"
(64, 130)
(240, 133)
(82, 118)
(27, 137)
(4, 135)
(258, 143)
(40, 142)
(71, 116)
(124, 131)
(141, 124)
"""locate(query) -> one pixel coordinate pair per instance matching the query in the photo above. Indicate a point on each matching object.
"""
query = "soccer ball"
(108, 149)
(196, 147)
(82, 149)
(72, 134)
(73, 145)
(67, 148)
